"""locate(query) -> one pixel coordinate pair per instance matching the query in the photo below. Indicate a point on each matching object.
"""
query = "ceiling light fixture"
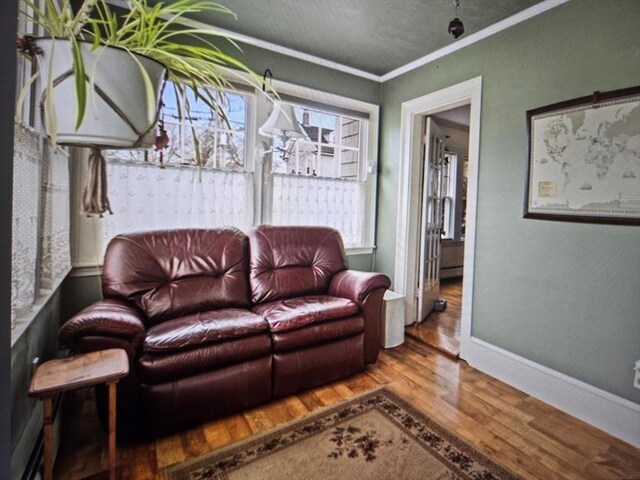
(456, 27)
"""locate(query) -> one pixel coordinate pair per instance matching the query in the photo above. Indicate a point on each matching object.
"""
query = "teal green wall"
(564, 295)
(40, 339)
(310, 75)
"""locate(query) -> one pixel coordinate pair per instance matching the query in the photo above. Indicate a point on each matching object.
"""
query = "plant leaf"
(80, 80)
(152, 104)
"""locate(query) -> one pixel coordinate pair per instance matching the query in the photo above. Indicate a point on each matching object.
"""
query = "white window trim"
(86, 238)
(370, 153)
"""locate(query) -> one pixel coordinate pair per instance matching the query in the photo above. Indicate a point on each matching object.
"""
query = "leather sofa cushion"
(306, 368)
(288, 262)
(157, 368)
(294, 313)
(317, 334)
(172, 273)
(197, 330)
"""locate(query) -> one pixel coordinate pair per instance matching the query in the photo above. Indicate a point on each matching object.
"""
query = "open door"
(430, 220)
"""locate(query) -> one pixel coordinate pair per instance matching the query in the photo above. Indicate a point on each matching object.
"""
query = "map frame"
(611, 214)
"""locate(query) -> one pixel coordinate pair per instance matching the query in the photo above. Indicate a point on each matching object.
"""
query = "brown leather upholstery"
(193, 399)
(367, 290)
(177, 272)
(108, 317)
(155, 369)
(200, 329)
(294, 313)
(317, 334)
(288, 262)
(302, 369)
(214, 322)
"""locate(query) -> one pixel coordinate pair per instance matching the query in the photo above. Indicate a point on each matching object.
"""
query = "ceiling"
(373, 36)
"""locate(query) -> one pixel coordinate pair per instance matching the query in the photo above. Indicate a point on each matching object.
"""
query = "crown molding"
(290, 52)
(476, 37)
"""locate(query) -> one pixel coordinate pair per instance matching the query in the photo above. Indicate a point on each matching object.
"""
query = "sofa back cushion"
(292, 261)
(171, 273)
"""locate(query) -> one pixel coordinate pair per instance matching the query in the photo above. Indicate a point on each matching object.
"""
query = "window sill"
(360, 250)
(23, 322)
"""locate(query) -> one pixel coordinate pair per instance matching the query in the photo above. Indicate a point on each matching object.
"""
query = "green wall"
(40, 339)
(310, 75)
(564, 295)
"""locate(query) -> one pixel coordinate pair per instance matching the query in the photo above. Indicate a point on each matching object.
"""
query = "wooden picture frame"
(584, 159)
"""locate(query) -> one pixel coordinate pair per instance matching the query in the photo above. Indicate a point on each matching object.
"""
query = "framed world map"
(584, 159)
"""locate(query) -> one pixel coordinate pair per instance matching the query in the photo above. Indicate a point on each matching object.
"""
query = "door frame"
(407, 227)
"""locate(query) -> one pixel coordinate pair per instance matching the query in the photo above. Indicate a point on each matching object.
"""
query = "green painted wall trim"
(563, 295)
(40, 339)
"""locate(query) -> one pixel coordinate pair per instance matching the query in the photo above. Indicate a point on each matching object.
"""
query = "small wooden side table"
(84, 370)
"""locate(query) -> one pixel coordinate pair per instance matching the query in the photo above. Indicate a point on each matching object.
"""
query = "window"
(208, 184)
(324, 179)
(332, 147)
(449, 177)
(40, 250)
(221, 136)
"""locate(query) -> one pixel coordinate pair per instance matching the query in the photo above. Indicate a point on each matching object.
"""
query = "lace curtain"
(147, 197)
(305, 200)
(40, 243)
(55, 259)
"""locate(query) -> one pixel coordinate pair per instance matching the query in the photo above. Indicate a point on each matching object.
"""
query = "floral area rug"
(374, 436)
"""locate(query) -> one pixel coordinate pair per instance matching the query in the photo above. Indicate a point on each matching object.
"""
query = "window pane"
(146, 197)
(204, 183)
(332, 148)
(302, 200)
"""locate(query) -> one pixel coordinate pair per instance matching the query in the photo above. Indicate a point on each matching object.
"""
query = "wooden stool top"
(56, 376)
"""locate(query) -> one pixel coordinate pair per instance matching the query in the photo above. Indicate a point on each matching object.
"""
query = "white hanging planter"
(120, 113)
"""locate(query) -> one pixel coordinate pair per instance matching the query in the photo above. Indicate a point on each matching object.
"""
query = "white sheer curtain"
(40, 243)
(305, 200)
(55, 260)
(146, 197)
(24, 255)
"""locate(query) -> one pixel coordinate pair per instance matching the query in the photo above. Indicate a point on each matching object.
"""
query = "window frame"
(87, 236)
(449, 200)
(368, 168)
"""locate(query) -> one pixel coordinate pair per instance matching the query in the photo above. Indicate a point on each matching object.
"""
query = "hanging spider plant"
(189, 54)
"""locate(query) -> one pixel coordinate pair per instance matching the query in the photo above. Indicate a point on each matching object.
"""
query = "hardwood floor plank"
(237, 427)
(522, 433)
(441, 330)
(169, 450)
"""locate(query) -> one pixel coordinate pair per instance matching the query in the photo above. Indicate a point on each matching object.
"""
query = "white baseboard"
(611, 413)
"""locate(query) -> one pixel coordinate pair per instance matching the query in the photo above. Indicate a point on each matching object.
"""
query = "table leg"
(47, 433)
(112, 431)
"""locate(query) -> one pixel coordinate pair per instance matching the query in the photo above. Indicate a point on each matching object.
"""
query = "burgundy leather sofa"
(215, 322)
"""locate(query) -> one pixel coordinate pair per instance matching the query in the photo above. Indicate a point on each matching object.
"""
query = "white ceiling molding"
(290, 52)
(476, 37)
(459, 44)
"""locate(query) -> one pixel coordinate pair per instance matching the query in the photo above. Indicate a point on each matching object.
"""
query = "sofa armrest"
(367, 290)
(356, 286)
(108, 318)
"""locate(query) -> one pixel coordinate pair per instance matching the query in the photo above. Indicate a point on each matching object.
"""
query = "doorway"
(407, 259)
(442, 232)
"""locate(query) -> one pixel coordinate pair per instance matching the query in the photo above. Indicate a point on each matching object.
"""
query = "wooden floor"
(441, 330)
(525, 435)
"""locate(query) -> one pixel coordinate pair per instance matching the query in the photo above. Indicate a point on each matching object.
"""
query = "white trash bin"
(393, 320)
